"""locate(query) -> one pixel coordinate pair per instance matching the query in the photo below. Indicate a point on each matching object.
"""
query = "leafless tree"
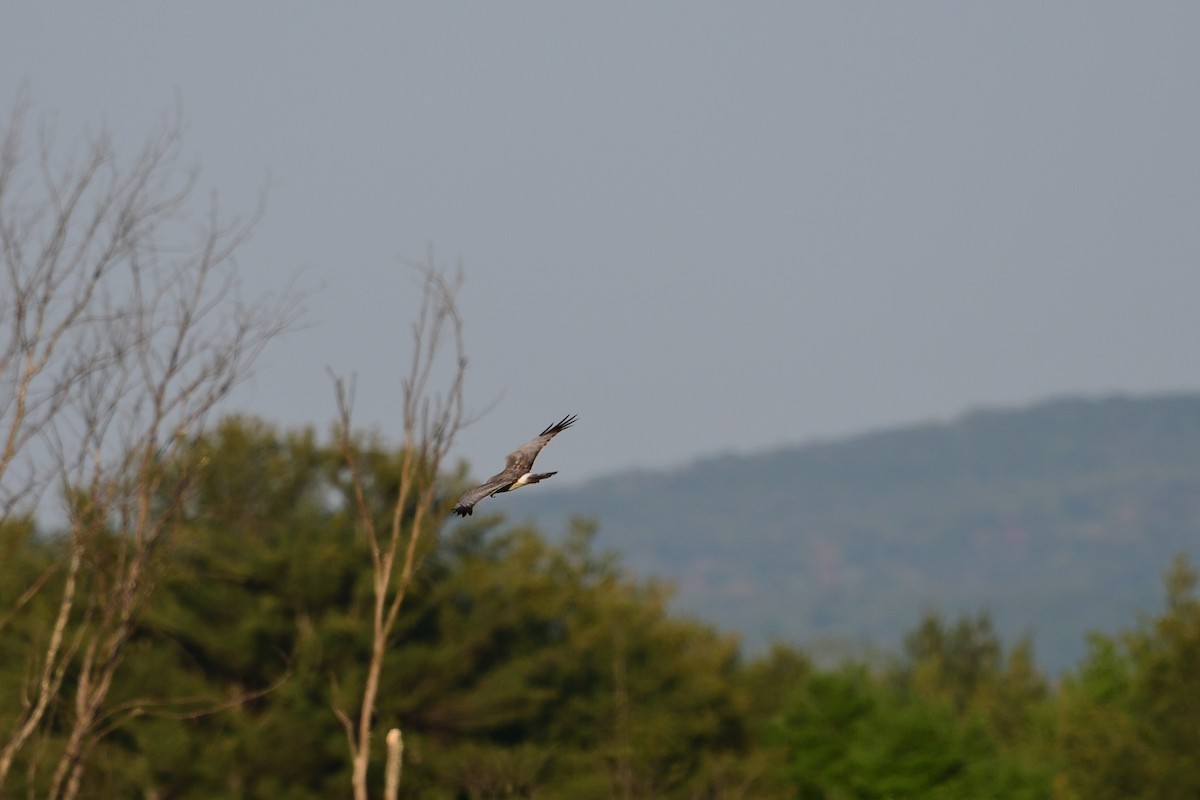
(430, 422)
(121, 331)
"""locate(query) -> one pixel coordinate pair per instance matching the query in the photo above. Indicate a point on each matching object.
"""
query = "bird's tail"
(540, 476)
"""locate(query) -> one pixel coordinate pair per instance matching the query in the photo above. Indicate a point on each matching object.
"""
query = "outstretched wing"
(520, 460)
(467, 502)
(516, 464)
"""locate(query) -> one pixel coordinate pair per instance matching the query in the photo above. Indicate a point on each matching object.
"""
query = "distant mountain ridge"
(1059, 518)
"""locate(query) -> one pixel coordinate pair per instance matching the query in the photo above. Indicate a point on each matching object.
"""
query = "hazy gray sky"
(700, 226)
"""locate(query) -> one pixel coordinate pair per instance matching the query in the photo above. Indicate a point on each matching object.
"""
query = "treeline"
(525, 667)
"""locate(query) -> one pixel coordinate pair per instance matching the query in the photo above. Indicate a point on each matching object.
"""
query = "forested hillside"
(1057, 518)
(525, 668)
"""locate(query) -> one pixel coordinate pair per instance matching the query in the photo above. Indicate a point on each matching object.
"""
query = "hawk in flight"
(516, 469)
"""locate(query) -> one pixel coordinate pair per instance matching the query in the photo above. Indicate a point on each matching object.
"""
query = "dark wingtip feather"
(561, 425)
(463, 511)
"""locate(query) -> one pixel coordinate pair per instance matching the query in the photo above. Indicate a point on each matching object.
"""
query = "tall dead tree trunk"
(431, 421)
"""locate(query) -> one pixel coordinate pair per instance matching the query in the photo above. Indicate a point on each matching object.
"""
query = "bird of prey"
(516, 469)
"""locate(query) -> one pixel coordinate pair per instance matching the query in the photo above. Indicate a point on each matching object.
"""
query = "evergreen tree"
(519, 666)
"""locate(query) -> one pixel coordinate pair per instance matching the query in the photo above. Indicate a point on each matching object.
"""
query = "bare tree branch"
(430, 420)
(121, 332)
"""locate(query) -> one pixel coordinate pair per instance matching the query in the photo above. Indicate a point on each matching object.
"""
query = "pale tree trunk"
(395, 763)
(431, 421)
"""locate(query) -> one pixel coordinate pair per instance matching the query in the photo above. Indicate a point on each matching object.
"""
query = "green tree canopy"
(1130, 718)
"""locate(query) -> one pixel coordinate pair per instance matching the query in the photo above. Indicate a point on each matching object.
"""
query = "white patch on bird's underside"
(521, 481)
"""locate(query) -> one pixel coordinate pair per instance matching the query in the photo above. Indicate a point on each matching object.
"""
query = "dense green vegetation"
(525, 667)
(1058, 518)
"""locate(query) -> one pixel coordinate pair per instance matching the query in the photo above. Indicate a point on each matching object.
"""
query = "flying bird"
(516, 469)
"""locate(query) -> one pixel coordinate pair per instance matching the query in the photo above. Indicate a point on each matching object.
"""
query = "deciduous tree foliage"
(1130, 716)
(849, 734)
